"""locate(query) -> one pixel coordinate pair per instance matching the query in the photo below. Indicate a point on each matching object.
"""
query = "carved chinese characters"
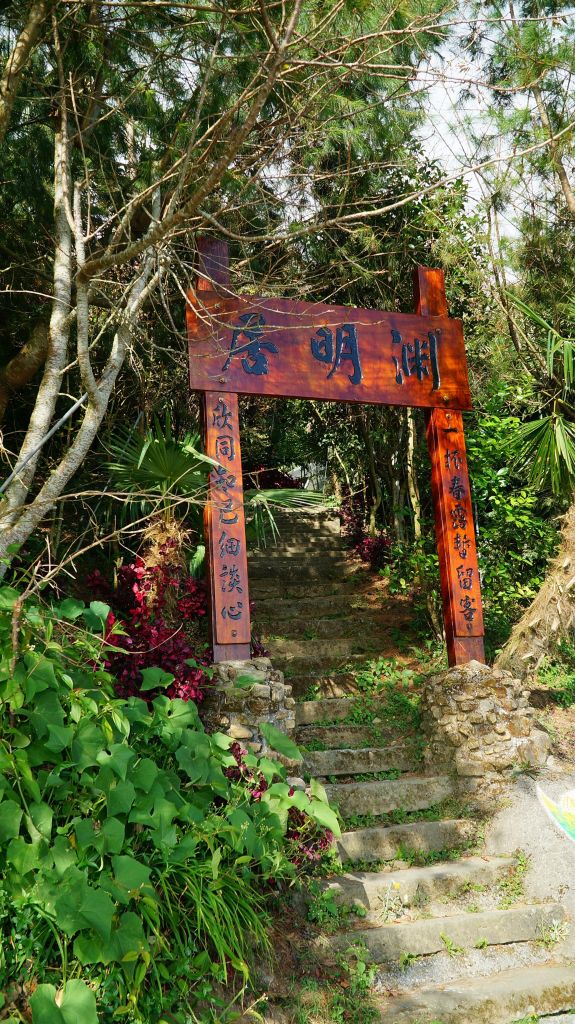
(420, 358)
(282, 347)
(229, 591)
(457, 534)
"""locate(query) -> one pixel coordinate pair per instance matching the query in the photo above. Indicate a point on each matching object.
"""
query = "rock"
(239, 732)
(296, 782)
(260, 690)
(535, 748)
(479, 721)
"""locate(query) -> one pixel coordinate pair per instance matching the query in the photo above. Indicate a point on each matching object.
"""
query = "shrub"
(154, 623)
(134, 856)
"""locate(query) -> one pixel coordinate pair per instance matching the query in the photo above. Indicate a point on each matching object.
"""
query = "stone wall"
(243, 695)
(479, 725)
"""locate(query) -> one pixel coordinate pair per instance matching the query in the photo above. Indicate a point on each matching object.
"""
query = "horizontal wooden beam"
(268, 346)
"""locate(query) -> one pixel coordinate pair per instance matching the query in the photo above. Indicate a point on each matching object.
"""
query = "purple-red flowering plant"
(155, 623)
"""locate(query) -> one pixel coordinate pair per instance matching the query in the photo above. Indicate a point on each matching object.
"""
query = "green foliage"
(129, 859)
(516, 532)
(512, 886)
(173, 468)
(326, 913)
(558, 672)
(361, 974)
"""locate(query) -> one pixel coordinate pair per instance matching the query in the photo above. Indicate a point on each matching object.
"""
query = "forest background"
(299, 133)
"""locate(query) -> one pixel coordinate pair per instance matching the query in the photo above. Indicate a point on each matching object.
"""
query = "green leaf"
(23, 856)
(112, 835)
(87, 744)
(317, 790)
(10, 818)
(130, 873)
(216, 859)
(100, 609)
(41, 819)
(156, 678)
(61, 737)
(77, 1004)
(324, 815)
(8, 598)
(280, 742)
(97, 911)
(70, 608)
(120, 798)
(117, 757)
(144, 774)
(44, 1007)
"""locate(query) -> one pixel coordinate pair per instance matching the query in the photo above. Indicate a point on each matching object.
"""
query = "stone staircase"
(450, 930)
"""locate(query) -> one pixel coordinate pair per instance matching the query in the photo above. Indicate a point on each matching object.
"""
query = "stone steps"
(366, 761)
(368, 888)
(345, 737)
(333, 685)
(290, 544)
(348, 626)
(497, 999)
(324, 659)
(340, 605)
(308, 522)
(379, 844)
(434, 935)
(412, 794)
(290, 588)
(447, 955)
(331, 710)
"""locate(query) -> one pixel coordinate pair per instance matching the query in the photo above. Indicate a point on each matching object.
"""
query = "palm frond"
(259, 505)
(555, 343)
(547, 446)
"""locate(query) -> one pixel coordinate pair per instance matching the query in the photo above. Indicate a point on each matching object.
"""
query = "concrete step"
(497, 999)
(304, 522)
(346, 737)
(313, 651)
(360, 762)
(324, 659)
(368, 888)
(299, 569)
(378, 844)
(373, 624)
(290, 588)
(411, 794)
(292, 544)
(336, 709)
(426, 937)
(339, 607)
(333, 684)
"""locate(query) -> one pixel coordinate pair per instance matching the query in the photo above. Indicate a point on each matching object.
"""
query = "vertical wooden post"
(454, 527)
(224, 519)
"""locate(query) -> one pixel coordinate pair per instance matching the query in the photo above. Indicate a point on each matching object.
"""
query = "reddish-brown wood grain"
(224, 519)
(270, 346)
(281, 347)
(454, 526)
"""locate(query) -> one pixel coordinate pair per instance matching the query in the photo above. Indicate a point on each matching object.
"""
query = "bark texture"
(18, 58)
(551, 616)
(21, 369)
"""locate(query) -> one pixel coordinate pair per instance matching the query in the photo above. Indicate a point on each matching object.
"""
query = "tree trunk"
(18, 58)
(551, 616)
(21, 369)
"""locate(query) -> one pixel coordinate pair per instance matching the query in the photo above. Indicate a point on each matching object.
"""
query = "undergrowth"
(136, 851)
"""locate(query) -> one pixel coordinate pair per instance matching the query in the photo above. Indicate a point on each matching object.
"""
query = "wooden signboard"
(261, 346)
(269, 346)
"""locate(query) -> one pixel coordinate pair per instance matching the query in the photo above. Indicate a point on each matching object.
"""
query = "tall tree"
(147, 125)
